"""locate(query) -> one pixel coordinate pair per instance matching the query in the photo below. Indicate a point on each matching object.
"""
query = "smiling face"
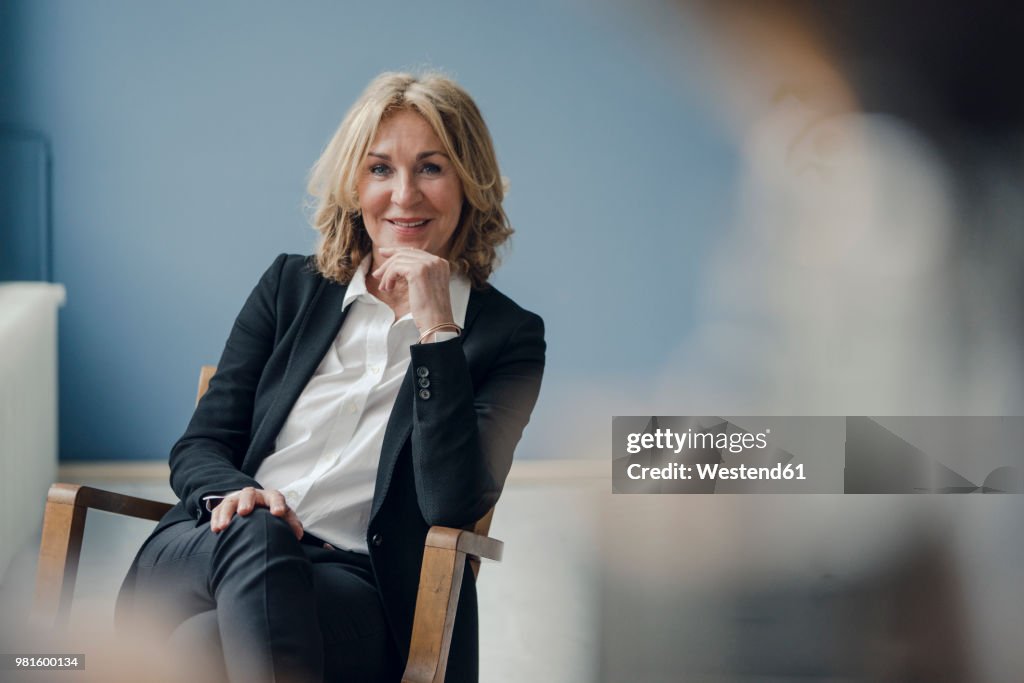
(409, 192)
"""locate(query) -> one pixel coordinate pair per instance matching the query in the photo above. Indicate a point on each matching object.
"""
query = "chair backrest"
(482, 527)
(205, 373)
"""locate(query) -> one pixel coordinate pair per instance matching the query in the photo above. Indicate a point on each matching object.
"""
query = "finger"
(381, 269)
(274, 500)
(391, 277)
(381, 273)
(396, 250)
(406, 258)
(294, 523)
(246, 500)
(388, 254)
(417, 265)
(223, 513)
(392, 272)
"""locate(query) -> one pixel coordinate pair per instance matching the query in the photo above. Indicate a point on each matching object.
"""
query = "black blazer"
(446, 450)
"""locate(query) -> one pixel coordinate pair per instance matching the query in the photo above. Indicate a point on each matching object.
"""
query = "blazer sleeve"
(207, 459)
(463, 440)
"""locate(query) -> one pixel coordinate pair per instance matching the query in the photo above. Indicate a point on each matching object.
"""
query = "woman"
(362, 396)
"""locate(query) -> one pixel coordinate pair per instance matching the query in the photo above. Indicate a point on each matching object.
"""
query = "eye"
(430, 169)
(379, 170)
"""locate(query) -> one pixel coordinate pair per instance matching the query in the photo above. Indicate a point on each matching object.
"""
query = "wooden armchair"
(441, 574)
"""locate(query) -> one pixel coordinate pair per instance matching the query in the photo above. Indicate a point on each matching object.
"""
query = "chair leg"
(63, 527)
(436, 602)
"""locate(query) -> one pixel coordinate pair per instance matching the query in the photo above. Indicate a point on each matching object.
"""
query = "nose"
(406, 192)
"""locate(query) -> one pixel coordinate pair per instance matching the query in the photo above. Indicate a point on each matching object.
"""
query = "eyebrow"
(421, 155)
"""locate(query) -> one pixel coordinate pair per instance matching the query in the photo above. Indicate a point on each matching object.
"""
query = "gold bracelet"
(436, 328)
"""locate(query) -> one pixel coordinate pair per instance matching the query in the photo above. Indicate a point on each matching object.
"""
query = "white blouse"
(326, 455)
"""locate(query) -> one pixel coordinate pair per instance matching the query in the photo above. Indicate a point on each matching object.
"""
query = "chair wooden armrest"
(61, 545)
(444, 562)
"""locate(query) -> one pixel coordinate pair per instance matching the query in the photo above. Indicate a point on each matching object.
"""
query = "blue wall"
(182, 134)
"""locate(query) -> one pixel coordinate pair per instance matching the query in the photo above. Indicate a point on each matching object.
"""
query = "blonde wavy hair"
(456, 120)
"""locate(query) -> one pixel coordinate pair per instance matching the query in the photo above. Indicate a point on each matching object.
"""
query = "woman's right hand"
(245, 501)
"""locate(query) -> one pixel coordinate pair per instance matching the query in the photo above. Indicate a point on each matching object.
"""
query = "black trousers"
(252, 603)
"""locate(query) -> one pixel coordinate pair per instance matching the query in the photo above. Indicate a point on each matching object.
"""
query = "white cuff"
(210, 504)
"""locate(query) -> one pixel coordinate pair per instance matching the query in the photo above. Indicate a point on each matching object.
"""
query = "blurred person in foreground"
(872, 268)
(364, 394)
(873, 263)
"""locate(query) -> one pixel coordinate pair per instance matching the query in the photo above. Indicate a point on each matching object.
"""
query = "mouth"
(408, 223)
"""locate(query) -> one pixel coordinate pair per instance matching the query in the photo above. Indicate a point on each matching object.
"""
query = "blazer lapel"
(399, 427)
(316, 333)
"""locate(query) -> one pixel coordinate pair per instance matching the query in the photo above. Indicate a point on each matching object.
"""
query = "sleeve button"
(424, 382)
(377, 540)
(424, 394)
(422, 371)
